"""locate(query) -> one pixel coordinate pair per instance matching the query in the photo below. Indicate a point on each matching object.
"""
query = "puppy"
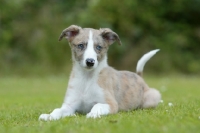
(94, 87)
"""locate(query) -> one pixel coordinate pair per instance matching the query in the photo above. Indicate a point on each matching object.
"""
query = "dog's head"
(89, 46)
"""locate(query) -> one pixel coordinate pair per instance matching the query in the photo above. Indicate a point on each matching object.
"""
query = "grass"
(24, 99)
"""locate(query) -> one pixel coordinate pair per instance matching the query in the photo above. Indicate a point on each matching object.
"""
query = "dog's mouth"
(89, 67)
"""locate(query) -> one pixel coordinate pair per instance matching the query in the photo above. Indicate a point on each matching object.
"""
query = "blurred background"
(29, 31)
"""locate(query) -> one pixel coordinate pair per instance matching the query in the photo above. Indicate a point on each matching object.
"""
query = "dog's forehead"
(94, 31)
(84, 35)
(87, 31)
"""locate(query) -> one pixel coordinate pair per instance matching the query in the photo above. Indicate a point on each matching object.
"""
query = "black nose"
(90, 62)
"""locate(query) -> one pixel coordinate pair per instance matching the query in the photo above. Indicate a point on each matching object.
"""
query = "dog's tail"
(143, 60)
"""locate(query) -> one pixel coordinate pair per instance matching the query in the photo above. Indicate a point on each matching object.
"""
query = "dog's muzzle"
(90, 62)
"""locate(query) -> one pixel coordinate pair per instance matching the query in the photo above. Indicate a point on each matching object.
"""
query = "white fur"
(151, 98)
(98, 110)
(144, 59)
(90, 52)
(82, 96)
(57, 113)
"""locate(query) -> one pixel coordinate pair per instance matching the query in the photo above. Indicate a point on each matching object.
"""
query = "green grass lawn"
(22, 100)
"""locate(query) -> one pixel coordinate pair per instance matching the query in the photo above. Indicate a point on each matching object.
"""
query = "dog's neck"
(83, 72)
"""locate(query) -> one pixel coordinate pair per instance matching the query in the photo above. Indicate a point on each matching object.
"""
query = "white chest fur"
(84, 91)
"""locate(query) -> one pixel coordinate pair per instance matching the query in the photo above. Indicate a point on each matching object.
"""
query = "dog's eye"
(98, 47)
(81, 46)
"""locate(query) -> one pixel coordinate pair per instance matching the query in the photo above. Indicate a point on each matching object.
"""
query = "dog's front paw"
(45, 117)
(48, 117)
(98, 110)
(55, 115)
(93, 115)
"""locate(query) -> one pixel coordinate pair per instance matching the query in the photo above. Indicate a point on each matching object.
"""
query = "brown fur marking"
(127, 88)
(82, 38)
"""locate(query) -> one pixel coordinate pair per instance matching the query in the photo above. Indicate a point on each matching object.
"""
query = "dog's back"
(129, 89)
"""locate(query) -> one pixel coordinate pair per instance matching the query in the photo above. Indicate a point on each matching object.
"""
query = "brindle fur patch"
(126, 87)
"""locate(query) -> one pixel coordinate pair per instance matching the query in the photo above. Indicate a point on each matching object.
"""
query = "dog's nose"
(90, 62)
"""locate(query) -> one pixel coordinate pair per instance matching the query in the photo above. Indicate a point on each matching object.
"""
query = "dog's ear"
(70, 32)
(109, 36)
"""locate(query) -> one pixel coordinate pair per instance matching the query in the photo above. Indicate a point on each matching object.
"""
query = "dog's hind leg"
(151, 98)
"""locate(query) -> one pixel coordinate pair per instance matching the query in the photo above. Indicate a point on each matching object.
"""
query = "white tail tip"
(141, 63)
